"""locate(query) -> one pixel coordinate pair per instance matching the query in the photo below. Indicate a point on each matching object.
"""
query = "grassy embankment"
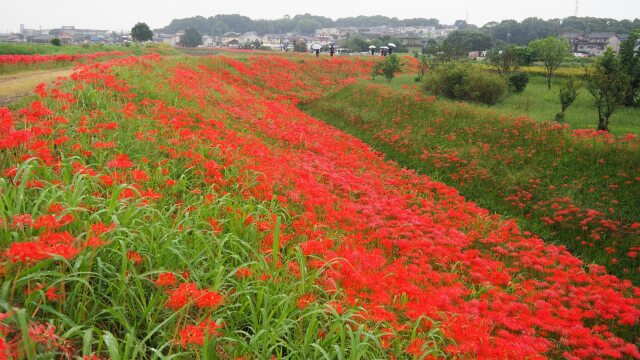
(582, 193)
(26, 57)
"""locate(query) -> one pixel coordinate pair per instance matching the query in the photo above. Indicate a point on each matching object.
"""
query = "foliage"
(552, 52)
(55, 42)
(518, 81)
(608, 84)
(304, 24)
(191, 38)
(461, 81)
(529, 29)
(355, 43)
(567, 95)
(630, 63)
(300, 46)
(460, 43)
(141, 32)
(423, 66)
(387, 67)
(508, 59)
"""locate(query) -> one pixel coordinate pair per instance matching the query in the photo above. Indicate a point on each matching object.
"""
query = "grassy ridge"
(582, 193)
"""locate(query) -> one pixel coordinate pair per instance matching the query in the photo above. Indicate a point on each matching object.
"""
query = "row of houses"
(250, 39)
(595, 44)
(425, 32)
(408, 36)
(67, 35)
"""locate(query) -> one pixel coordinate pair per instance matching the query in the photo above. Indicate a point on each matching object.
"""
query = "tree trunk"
(549, 80)
(603, 122)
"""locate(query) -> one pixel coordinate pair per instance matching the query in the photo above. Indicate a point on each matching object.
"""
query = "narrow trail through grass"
(15, 85)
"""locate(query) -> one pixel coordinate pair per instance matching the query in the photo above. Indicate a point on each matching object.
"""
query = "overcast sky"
(123, 14)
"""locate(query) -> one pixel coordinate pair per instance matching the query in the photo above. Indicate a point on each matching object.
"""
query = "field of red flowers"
(10, 63)
(186, 208)
(577, 188)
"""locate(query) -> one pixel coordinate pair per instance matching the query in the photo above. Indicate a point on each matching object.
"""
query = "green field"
(32, 49)
(539, 103)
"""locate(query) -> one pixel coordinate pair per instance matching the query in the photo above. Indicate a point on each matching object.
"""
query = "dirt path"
(15, 86)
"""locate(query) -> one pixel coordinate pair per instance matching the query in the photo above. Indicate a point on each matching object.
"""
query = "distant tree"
(191, 38)
(355, 43)
(460, 43)
(630, 62)
(300, 46)
(464, 25)
(552, 52)
(568, 94)
(257, 44)
(55, 41)
(608, 84)
(505, 60)
(387, 67)
(431, 47)
(140, 32)
(423, 66)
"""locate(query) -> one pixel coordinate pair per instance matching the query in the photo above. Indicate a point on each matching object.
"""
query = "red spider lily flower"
(216, 227)
(191, 334)
(121, 161)
(415, 348)
(101, 228)
(305, 300)
(182, 295)
(166, 279)
(52, 295)
(22, 220)
(208, 299)
(134, 257)
(243, 272)
(94, 242)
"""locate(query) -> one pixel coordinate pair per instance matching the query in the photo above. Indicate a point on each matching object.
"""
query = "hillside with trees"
(508, 31)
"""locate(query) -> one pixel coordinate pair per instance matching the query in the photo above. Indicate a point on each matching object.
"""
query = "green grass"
(540, 103)
(32, 49)
(491, 157)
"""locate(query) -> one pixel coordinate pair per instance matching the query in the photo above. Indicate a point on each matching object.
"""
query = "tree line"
(510, 31)
(303, 24)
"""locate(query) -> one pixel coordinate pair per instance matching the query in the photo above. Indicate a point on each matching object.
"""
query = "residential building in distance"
(595, 44)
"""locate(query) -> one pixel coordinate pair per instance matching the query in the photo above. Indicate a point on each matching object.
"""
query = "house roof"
(600, 35)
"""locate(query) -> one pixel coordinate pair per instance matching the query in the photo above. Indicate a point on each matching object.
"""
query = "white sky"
(123, 14)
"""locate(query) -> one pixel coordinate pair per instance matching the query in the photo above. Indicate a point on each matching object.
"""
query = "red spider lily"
(134, 257)
(196, 334)
(120, 162)
(166, 279)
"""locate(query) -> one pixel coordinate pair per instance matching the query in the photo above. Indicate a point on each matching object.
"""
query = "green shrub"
(518, 81)
(55, 41)
(459, 81)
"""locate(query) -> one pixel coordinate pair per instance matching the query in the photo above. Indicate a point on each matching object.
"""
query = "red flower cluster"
(39, 59)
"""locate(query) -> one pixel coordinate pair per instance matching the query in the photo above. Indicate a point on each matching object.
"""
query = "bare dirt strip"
(15, 86)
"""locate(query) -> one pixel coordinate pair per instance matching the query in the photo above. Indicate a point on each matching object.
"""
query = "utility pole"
(575, 11)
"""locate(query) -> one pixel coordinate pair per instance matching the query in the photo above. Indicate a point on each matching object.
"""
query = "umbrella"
(391, 45)
(384, 47)
(316, 46)
(372, 46)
